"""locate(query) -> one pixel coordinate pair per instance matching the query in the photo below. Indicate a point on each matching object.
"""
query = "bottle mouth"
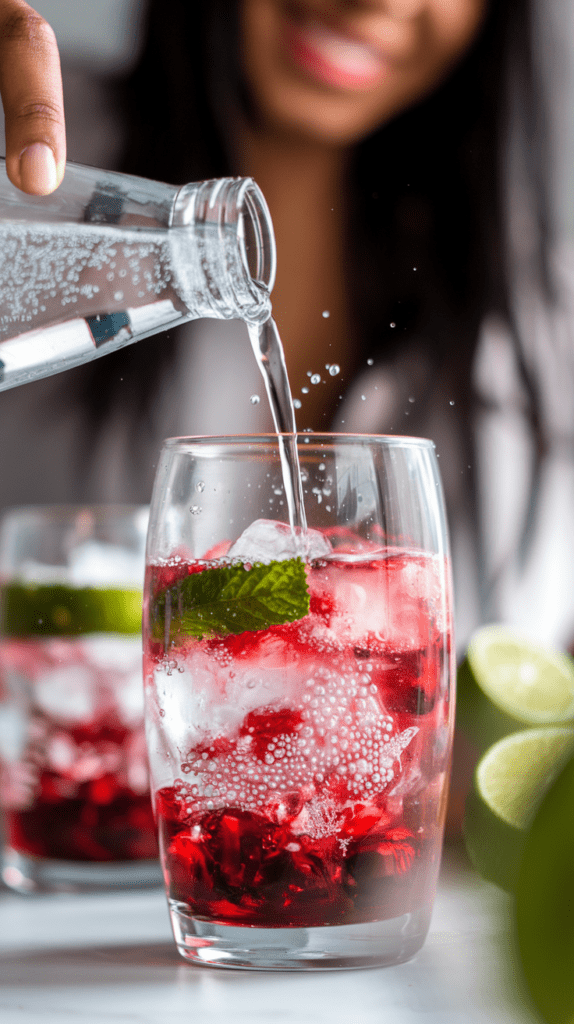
(236, 245)
(255, 231)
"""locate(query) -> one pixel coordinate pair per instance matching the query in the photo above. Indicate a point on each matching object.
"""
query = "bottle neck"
(234, 237)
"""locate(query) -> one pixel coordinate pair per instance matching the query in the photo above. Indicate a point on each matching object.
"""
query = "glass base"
(26, 874)
(329, 948)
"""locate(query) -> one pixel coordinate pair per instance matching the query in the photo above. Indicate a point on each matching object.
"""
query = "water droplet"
(195, 510)
(334, 369)
(118, 296)
(411, 400)
(200, 486)
(304, 391)
(370, 362)
(326, 314)
(322, 467)
(451, 403)
(316, 378)
(297, 403)
(363, 398)
(392, 325)
(255, 399)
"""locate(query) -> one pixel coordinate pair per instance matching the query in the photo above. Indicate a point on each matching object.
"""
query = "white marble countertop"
(93, 960)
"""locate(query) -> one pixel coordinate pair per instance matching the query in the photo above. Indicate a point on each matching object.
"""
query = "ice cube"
(94, 564)
(108, 652)
(267, 541)
(68, 694)
(91, 564)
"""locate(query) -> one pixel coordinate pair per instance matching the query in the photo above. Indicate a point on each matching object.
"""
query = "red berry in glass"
(77, 789)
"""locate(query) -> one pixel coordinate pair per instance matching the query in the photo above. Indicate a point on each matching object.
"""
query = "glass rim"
(53, 511)
(323, 439)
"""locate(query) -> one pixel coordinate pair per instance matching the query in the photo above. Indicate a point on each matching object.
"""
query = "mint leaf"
(232, 599)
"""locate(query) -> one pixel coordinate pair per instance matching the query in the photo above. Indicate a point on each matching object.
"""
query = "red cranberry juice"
(78, 789)
(310, 789)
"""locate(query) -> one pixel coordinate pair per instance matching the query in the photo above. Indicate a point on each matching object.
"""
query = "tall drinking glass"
(299, 706)
(74, 783)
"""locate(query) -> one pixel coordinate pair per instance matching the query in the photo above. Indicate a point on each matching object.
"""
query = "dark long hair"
(427, 190)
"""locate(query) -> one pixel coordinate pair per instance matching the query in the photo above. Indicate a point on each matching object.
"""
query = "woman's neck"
(305, 187)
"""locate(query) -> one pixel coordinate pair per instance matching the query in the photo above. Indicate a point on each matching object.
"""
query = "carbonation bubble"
(334, 369)
(195, 510)
(255, 399)
(315, 378)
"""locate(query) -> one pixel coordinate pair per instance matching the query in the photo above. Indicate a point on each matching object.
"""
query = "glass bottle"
(109, 258)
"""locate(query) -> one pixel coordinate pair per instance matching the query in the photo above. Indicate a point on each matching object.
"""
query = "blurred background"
(101, 40)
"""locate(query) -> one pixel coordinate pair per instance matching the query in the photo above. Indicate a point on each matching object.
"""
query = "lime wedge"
(544, 910)
(506, 683)
(509, 782)
(57, 610)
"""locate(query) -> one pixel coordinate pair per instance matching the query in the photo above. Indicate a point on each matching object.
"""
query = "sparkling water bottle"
(108, 259)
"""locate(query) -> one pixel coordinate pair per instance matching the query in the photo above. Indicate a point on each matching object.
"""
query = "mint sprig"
(231, 599)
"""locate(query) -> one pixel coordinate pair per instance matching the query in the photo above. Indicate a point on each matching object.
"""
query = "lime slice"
(544, 914)
(509, 782)
(506, 683)
(57, 610)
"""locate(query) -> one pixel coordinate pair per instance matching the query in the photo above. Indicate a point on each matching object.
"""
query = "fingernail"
(38, 174)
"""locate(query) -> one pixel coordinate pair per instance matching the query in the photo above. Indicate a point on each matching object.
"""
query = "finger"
(31, 90)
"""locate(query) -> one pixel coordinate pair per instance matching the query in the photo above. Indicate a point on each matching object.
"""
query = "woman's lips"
(334, 58)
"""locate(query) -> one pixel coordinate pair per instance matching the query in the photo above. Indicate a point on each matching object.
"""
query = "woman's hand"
(31, 90)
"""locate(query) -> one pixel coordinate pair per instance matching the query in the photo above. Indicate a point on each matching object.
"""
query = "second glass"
(298, 699)
(74, 783)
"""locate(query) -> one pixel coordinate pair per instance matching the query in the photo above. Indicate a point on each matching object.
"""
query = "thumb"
(31, 91)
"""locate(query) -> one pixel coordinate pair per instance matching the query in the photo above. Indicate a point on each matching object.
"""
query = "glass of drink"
(74, 783)
(298, 694)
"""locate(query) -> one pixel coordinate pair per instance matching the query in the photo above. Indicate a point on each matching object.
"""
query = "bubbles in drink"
(334, 369)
